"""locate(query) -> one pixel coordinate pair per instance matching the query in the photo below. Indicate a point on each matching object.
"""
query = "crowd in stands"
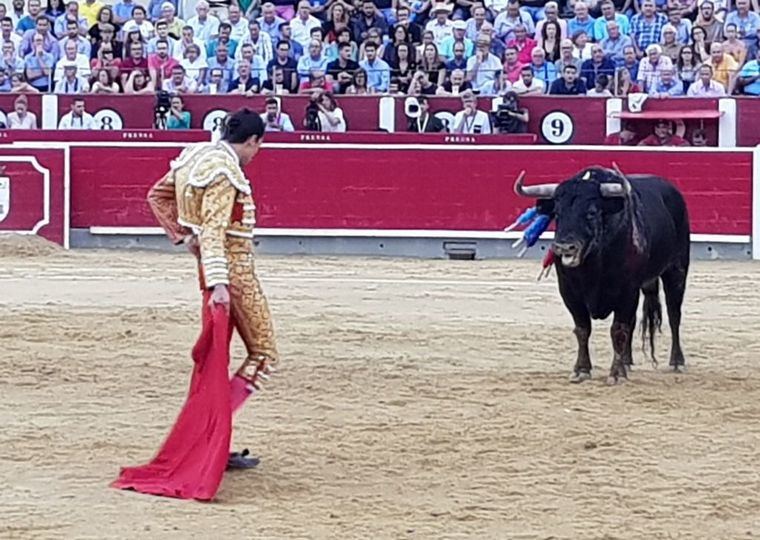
(398, 47)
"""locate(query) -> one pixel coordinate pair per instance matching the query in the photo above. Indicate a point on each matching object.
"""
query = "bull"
(617, 235)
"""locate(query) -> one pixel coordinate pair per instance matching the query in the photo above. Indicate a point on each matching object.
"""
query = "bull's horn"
(610, 189)
(623, 178)
(541, 191)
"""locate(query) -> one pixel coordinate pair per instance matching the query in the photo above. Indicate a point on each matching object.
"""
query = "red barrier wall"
(748, 122)
(401, 187)
(33, 193)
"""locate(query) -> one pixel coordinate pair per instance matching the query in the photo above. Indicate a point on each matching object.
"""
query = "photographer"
(470, 120)
(274, 120)
(178, 117)
(509, 117)
(420, 120)
(323, 114)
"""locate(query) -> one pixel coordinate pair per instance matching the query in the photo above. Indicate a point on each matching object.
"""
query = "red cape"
(192, 460)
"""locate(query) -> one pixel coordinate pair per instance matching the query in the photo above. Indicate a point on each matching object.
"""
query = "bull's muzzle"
(569, 253)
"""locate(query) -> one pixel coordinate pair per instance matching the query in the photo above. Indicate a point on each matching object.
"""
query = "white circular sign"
(213, 120)
(108, 119)
(447, 118)
(557, 127)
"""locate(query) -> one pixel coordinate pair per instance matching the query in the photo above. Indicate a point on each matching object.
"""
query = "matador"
(205, 201)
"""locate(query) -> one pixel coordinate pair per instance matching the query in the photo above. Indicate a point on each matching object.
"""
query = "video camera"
(504, 119)
(162, 108)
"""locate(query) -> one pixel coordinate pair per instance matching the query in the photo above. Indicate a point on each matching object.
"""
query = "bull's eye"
(591, 214)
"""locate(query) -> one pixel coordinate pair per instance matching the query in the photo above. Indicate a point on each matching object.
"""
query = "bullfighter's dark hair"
(242, 125)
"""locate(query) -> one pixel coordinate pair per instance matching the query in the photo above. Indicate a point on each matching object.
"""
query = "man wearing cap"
(440, 24)
(459, 29)
(71, 83)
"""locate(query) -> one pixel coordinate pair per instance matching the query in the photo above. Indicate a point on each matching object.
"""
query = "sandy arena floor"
(416, 399)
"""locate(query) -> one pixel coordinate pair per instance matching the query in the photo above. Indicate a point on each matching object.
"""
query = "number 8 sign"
(557, 127)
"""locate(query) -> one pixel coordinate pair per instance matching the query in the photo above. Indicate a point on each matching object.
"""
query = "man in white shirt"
(71, 56)
(527, 84)
(301, 26)
(188, 38)
(706, 86)
(470, 120)
(274, 119)
(262, 43)
(205, 26)
(238, 23)
(138, 22)
(77, 118)
(71, 83)
(440, 24)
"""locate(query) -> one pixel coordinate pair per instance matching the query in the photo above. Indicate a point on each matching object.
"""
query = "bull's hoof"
(678, 368)
(612, 380)
(579, 377)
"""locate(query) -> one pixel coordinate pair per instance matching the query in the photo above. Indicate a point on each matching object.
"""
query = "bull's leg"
(622, 334)
(674, 284)
(629, 345)
(582, 331)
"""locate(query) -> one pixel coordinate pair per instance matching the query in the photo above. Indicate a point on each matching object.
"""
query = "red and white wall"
(339, 186)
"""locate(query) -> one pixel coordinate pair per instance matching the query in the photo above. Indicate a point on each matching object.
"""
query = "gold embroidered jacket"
(207, 194)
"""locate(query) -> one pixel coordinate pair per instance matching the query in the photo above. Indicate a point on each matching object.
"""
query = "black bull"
(616, 235)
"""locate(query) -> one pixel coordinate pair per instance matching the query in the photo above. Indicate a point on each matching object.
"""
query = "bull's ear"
(545, 207)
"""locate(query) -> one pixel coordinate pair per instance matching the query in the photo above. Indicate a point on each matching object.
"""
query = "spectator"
(274, 119)
(49, 43)
(484, 67)
(670, 46)
(8, 35)
(651, 66)
(512, 64)
(302, 25)
(733, 46)
(168, 14)
(179, 82)
(104, 83)
(188, 38)
(38, 65)
(458, 61)
(28, 21)
(215, 82)
(668, 86)
(20, 86)
(358, 86)
(724, 67)
(178, 118)
(456, 85)
(582, 22)
(610, 16)
(160, 64)
(330, 115)
(223, 61)
(581, 46)
(77, 117)
(646, 27)
(333, 50)
(277, 83)
(597, 65)
(5, 82)
(701, 48)
(551, 12)
(624, 83)
(136, 60)
(139, 23)
(708, 22)
(569, 84)
(522, 44)
(296, 50)
(615, 43)
(663, 136)
(688, 67)
(107, 35)
(71, 14)
(413, 29)
(749, 77)
(10, 61)
(71, 56)
(205, 26)
(378, 72)
(195, 66)
(90, 11)
(162, 34)
(105, 21)
(550, 41)
(71, 82)
(474, 24)
(245, 84)
(470, 120)
(54, 9)
(528, 85)
(706, 86)
(17, 11)
(239, 28)
(423, 121)
(21, 118)
(567, 58)
(544, 71)
(421, 85)
(600, 87)
(341, 70)
(508, 20)
(747, 22)
(439, 25)
(373, 36)
(315, 60)
(269, 22)
(682, 26)
(458, 37)
(122, 11)
(106, 61)
(261, 42)
(285, 61)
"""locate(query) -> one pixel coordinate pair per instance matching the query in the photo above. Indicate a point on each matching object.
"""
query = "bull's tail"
(652, 316)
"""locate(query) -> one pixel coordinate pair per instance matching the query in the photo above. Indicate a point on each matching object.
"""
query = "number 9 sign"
(557, 127)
